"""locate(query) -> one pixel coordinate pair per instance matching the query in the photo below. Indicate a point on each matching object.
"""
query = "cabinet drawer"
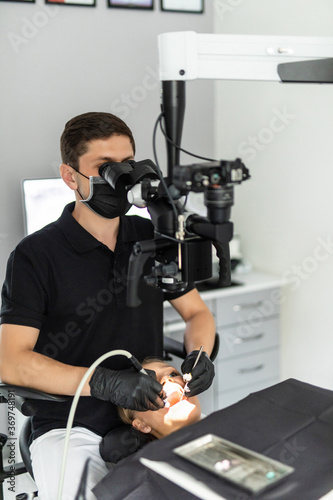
(252, 307)
(245, 338)
(225, 399)
(246, 370)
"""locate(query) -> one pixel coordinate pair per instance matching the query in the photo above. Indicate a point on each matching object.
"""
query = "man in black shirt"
(64, 305)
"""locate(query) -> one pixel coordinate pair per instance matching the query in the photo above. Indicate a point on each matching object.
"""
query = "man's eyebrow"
(107, 158)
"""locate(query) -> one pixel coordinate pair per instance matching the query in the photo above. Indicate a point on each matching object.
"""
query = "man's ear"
(141, 426)
(68, 176)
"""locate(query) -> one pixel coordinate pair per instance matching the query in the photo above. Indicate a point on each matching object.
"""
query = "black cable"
(180, 148)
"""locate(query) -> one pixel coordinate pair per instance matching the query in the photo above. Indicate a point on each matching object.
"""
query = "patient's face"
(176, 414)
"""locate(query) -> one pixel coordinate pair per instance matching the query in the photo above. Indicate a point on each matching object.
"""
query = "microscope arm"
(188, 56)
(220, 235)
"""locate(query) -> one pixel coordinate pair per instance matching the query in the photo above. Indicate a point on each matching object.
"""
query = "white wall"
(284, 213)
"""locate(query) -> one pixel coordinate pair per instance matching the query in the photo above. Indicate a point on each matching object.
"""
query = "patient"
(145, 426)
(177, 412)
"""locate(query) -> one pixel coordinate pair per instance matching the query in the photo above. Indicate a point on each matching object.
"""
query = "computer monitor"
(44, 200)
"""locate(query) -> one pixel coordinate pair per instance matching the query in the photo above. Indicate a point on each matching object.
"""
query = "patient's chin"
(185, 411)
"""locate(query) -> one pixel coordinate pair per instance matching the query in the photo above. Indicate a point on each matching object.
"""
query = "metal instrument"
(187, 377)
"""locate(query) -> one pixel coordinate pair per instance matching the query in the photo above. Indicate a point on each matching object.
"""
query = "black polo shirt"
(73, 288)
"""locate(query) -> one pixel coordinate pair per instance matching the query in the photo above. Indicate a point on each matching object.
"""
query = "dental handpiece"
(137, 365)
(187, 377)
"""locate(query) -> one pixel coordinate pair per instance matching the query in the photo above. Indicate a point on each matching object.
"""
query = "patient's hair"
(83, 129)
(125, 414)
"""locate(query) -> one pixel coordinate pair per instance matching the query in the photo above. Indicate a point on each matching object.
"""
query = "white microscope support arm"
(188, 55)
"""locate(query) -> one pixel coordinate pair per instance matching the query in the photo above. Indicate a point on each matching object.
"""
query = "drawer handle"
(239, 340)
(251, 370)
(239, 307)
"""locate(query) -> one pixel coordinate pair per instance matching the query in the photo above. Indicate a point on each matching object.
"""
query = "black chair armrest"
(172, 346)
(6, 390)
(22, 394)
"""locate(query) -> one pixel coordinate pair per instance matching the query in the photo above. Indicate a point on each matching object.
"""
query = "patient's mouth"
(173, 393)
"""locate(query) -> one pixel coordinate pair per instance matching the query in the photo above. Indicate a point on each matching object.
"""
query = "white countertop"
(249, 282)
(252, 281)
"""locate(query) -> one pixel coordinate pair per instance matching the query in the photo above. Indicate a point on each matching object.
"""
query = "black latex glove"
(127, 388)
(202, 375)
(122, 442)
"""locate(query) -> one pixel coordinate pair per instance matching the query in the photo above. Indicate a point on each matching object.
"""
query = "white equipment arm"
(188, 55)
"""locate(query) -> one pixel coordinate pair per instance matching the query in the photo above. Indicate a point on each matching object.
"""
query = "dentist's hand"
(127, 388)
(202, 374)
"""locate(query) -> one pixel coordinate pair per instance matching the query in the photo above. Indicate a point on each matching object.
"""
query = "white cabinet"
(248, 360)
(247, 320)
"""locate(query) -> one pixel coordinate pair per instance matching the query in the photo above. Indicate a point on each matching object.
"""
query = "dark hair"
(82, 129)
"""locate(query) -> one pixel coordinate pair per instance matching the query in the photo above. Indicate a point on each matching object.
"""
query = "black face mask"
(103, 199)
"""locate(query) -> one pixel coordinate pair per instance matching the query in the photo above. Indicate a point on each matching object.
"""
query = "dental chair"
(24, 402)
